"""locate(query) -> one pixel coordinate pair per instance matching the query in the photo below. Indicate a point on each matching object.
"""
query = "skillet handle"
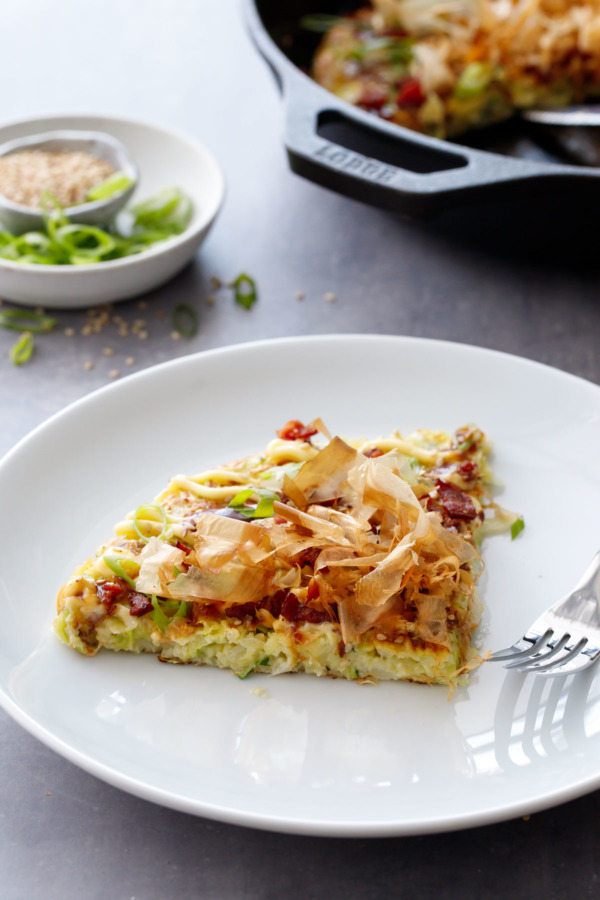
(368, 159)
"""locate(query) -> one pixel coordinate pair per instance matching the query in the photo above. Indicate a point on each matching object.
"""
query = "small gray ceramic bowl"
(17, 218)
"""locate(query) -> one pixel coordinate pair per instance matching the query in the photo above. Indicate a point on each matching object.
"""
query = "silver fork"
(565, 638)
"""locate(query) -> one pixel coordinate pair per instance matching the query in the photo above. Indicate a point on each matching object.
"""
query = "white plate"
(310, 755)
(165, 159)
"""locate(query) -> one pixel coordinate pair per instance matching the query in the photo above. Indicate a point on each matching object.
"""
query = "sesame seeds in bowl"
(163, 158)
(68, 164)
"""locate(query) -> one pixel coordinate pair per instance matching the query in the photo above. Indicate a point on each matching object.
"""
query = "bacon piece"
(410, 94)
(109, 592)
(456, 503)
(373, 452)
(140, 604)
(294, 430)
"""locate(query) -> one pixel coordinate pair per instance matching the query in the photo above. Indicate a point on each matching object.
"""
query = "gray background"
(517, 277)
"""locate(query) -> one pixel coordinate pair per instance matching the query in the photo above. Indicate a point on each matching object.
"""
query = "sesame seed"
(88, 365)
(108, 351)
(175, 335)
(130, 360)
(142, 335)
(347, 648)
(210, 300)
(215, 283)
(381, 637)
(69, 332)
(86, 330)
(114, 373)
(300, 295)
(67, 174)
(329, 297)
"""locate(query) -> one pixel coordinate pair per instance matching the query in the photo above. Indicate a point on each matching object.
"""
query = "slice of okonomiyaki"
(355, 559)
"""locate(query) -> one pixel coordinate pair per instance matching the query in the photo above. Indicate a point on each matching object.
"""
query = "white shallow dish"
(309, 755)
(165, 158)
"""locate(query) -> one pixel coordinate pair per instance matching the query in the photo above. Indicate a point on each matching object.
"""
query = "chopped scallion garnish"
(262, 510)
(116, 565)
(176, 610)
(23, 320)
(142, 513)
(185, 319)
(114, 184)
(319, 22)
(245, 290)
(65, 243)
(22, 350)
(517, 527)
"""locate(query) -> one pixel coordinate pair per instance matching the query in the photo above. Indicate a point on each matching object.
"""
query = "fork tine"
(539, 657)
(514, 653)
(554, 667)
(587, 657)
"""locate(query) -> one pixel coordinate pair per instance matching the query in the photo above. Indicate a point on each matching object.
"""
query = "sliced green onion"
(114, 184)
(23, 320)
(262, 510)
(52, 211)
(116, 565)
(141, 512)
(84, 243)
(319, 22)
(185, 320)
(259, 662)
(160, 620)
(170, 209)
(473, 80)
(65, 243)
(22, 350)
(517, 527)
(245, 290)
(160, 604)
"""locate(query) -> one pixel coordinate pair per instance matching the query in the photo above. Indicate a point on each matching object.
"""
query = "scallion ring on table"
(23, 349)
(245, 290)
(141, 513)
(184, 319)
(23, 320)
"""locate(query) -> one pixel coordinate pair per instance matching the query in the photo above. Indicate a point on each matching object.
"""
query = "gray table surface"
(520, 279)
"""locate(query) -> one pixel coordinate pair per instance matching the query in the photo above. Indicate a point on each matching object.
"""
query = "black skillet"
(360, 155)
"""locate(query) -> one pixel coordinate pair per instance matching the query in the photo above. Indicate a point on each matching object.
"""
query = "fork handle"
(589, 584)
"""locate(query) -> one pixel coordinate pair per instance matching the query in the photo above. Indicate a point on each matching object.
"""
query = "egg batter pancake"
(356, 559)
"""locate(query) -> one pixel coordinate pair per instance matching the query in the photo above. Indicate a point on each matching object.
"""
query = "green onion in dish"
(173, 607)
(149, 512)
(165, 215)
(473, 80)
(320, 23)
(114, 184)
(262, 510)
(23, 349)
(116, 564)
(245, 290)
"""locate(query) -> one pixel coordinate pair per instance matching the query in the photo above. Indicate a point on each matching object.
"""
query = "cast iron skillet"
(360, 155)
